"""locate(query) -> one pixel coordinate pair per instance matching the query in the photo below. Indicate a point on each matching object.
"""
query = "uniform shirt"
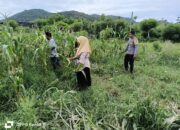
(53, 46)
(132, 46)
(84, 59)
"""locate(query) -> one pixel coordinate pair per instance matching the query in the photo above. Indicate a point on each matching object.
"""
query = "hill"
(31, 15)
(76, 14)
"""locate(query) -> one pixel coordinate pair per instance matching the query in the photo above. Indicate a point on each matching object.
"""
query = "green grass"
(30, 92)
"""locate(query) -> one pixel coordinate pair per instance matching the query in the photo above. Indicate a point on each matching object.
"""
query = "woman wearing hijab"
(82, 56)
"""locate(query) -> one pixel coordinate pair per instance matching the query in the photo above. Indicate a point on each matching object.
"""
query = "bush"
(157, 46)
(155, 33)
(82, 33)
(107, 33)
(170, 55)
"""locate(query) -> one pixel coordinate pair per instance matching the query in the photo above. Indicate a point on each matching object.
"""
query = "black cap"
(132, 32)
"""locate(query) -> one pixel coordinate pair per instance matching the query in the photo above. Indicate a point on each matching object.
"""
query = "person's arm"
(125, 48)
(80, 65)
(135, 50)
(135, 47)
(74, 58)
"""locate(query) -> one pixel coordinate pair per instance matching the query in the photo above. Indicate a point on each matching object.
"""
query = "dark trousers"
(56, 66)
(84, 79)
(129, 59)
(55, 62)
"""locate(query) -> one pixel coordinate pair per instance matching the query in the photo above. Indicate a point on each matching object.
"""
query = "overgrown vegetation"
(100, 25)
(30, 92)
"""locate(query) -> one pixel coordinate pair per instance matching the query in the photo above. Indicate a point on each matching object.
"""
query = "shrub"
(170, 55)
(82, 33)
(107, 33)
(157, 46)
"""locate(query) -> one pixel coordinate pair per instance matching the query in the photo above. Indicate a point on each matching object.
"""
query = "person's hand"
(134, 56)
(122, 52)
(70, 59)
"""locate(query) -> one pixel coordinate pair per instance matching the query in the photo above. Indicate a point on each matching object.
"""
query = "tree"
(76, 27)
(98, 26)
(55, 18)
(172, 32)
(119, 26)
(41, 22)
(87, 25)
(69, 20)
(147, 25)
(178, 19)
(103, 17)
(61, 25)
(12, 23)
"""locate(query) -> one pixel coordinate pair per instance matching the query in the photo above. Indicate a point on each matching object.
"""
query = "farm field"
(30, 92)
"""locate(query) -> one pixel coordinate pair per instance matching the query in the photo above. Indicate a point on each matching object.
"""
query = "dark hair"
(48, 34)
(76, 44)
(132, 32)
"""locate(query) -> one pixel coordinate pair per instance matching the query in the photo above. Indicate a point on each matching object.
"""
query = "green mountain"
(31, 15)
(76, 14)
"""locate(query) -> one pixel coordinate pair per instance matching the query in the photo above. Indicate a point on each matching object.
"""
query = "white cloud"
(142, 8)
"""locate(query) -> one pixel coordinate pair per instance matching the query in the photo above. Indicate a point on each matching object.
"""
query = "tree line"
(106, 27)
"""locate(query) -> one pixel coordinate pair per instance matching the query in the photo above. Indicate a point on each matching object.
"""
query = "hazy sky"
(167, 9)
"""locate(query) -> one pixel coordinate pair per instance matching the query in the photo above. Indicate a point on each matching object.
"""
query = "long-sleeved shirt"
(53, 46)
(132, 46)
